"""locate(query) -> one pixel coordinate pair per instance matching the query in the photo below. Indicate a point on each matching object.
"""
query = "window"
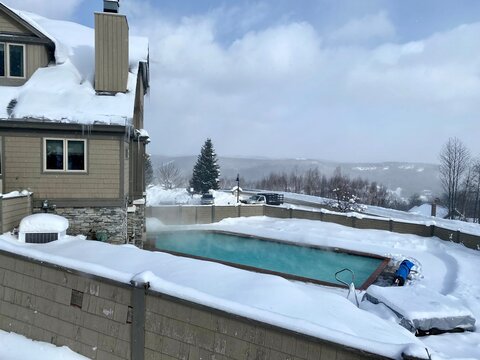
(65, 155)
(2, 59)
(12, 60)
(16, 60)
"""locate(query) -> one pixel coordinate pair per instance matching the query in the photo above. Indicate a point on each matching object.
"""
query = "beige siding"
(23, 169)
(8, 25)
(36, 57)
(13, 210)
(111, 52)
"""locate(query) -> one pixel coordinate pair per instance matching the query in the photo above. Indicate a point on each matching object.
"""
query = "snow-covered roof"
(64, 91)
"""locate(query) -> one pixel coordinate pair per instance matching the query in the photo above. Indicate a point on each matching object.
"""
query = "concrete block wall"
(93, 316)
(62, 307)
(181, 330)
(186, 215)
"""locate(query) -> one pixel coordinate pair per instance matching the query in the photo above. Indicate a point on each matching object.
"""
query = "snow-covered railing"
(14, 206)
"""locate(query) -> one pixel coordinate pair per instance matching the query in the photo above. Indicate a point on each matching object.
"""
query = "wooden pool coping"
(149, 245)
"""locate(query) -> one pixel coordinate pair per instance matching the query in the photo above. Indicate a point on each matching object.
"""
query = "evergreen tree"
(206, 171)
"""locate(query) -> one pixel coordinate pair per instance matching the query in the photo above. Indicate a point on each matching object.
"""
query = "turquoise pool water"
(317, 264)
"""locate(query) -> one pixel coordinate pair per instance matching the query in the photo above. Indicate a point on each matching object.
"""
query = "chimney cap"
(111, 6)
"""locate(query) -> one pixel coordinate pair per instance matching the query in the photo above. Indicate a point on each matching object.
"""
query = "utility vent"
(42, 228)
(111, 6)
(40, 238)
(76, 299)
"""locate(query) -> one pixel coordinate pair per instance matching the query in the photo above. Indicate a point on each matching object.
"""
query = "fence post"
(432, 230)
(354, 221)
(390, 225)
(138, 319)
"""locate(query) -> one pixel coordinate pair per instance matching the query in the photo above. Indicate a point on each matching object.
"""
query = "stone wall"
(106, 320)
(136, 229)
(96, 221)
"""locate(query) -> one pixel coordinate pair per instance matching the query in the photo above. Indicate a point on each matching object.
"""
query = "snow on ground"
(18, 347)
(426, 210)
(447, 268)
(157, 196)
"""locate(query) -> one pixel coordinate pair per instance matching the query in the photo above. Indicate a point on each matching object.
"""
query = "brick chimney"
(111, 49)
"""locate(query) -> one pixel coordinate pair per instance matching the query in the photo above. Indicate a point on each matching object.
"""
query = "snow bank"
(18, 347)
(422, 308)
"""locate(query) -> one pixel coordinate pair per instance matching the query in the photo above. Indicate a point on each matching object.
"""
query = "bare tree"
(476, 189)
(169, 176)
(454, 161)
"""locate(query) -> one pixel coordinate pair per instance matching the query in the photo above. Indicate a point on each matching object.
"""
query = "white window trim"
(7, 52)
(65, 156)
(4, 59)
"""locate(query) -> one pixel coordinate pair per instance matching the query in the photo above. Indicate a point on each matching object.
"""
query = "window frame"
(4, 60)
(7, 62)
(65, 169)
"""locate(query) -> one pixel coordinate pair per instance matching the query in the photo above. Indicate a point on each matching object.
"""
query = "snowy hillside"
(409, 177)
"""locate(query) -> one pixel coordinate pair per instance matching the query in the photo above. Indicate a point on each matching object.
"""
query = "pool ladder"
(351, 286)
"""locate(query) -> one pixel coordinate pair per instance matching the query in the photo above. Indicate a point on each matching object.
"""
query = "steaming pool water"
(289, 260)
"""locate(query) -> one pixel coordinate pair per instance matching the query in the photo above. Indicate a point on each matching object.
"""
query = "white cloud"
(286, 90)
(49, 8)
(283, 91)
(366, 30)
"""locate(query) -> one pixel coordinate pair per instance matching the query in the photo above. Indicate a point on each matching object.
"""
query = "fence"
(12, 210)
(186, 215)
(108, 320)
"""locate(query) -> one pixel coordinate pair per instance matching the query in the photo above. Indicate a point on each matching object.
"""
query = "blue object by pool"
(402, 272)
(285, 259)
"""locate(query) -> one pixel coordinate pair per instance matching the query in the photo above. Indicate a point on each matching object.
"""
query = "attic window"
(16, 60)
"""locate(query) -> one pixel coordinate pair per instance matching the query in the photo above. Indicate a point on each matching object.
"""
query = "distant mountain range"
(409, 177)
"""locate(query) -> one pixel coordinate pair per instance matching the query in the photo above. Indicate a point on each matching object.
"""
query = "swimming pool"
(289, 260)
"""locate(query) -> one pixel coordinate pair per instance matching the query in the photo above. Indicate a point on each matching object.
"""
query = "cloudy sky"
(342, 80)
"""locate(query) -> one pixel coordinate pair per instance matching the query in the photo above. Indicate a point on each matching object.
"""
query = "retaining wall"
(107, 320)
(186, 215)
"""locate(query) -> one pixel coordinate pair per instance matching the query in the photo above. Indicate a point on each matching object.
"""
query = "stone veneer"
(119, 225)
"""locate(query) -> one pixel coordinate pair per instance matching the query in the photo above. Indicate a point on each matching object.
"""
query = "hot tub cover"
(420, 308)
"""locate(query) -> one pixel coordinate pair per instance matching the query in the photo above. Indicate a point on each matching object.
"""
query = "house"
(71, 119)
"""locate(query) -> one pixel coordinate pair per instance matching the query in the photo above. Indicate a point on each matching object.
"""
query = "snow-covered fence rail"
(13, 208)
(186, 215)
(105, 319)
